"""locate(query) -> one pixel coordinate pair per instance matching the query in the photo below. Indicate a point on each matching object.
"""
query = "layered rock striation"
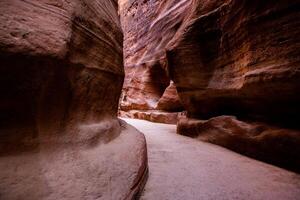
(60, 82)
(148, 27)
(234, 58)
(240, 58)
(272, 144)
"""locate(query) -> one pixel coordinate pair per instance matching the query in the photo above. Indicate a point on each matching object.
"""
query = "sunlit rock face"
(148, 27)
(60, 81)
(227, 57)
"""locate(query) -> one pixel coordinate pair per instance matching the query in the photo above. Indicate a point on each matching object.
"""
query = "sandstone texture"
(90, 169)
(153, 115)
(147, 84)
(61, 77)
(143, 87)
(170, 101)
(237, 58)
(241, 58)
(274, 145)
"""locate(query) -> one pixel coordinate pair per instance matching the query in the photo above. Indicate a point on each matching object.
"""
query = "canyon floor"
(183, 168)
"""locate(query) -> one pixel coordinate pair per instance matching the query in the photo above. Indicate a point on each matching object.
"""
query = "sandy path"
(182, 168)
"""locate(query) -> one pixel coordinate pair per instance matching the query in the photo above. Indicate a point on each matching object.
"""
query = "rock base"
(152, 115)
(116, 169)
(274, 145)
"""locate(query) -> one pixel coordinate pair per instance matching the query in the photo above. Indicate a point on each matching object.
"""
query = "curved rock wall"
(51, 58)
(225, 57)
(240, 58)
(61, 76)
(148, 27)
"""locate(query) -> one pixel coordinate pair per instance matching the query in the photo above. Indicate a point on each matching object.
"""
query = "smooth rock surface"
(89, 169)
(183, 168)
(147, 84)
(274, 145)
(170, 101)
(143, 87)
(58, 61)
(61, 76)
(225, 57)
(229, 57)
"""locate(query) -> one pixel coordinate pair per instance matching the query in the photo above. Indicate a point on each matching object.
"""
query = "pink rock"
(275, 145)
(170, 100)
(60, 82)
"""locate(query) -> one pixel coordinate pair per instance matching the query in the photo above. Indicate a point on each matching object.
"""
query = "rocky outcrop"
(226, 57)
(60, 81)
(170, 101)
(147, 82)
(272, 144)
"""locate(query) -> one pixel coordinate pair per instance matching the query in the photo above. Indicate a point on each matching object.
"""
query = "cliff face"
(148, 27)
(238, 58)
(241, 58)
(60, 81)
(57, 57)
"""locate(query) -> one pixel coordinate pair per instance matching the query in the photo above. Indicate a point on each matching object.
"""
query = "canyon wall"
(148, 26)
(239, 58)
(60, 82)
(235, 65)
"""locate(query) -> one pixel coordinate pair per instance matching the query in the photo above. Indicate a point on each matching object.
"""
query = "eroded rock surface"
(240, 58)
(170, 101)
(153, 115)
(143, 87)
(146, 33)
(258, 140)
(225, 57)
(61, 76)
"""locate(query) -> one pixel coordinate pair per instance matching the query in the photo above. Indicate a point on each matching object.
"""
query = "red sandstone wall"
(238, 58)
(61, 75)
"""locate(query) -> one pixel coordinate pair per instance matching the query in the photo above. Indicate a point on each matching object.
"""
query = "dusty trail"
(182, 168)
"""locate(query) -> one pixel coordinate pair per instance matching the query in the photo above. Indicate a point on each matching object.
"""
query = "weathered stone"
(152, 115)
(144, 85)
(145, 37)
(170, 100)
(225, 57)
(61, 76)
(272, 144)
(239, 58)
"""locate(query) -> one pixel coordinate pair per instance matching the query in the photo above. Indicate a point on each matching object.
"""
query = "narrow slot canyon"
(149, 99)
